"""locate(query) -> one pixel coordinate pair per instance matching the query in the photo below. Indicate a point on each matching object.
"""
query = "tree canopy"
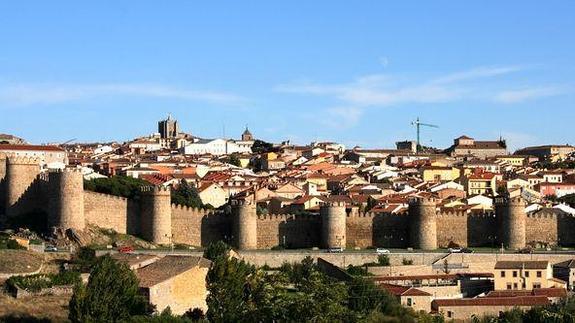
(118, 185)
(111, 294)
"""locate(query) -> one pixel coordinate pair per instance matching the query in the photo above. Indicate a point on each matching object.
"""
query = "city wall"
(153, 217)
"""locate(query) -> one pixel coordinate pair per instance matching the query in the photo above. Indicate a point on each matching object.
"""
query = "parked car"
(50, 248)
(381, 251)
(126, 249)
(455, 250)
(466, 250)
(335, 250)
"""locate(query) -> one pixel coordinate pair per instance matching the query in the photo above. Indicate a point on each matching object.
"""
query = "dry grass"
(45, 308)
(19, 261)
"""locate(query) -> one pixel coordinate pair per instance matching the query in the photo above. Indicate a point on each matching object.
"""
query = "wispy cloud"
(525, 94)
(31, 94)
(388, 90)
(477, 73)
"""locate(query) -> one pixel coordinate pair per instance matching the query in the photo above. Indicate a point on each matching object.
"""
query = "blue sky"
(355, 72)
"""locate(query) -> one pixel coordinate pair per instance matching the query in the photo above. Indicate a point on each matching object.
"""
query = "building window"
(523, 286)
(538, 274)
(514, 285)
(536, 285)
(508, 285)
(502, 273)
(449, 314)
(514, 273)
(409, 302)
(527, 274)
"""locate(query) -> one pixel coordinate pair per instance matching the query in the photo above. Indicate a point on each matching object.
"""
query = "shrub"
(13, 244)
(383, 260)
(34, 283)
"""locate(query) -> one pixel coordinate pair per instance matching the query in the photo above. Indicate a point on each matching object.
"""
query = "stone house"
(525, 275)
(178, 282)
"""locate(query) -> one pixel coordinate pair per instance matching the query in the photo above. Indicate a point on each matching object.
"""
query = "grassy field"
(36, 309)
(19, 261)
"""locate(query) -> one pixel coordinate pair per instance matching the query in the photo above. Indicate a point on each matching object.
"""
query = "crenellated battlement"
(511, 201)
(482, 215)
(155, 189)
(422, 201)
(452, 213)
(333, 204)
(240, 202)
(189, 209)
(22, 160)
(108, 196)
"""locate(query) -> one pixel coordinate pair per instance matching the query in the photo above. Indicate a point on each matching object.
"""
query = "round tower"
(2, 166)
(511, 217)
(333, 225)
(245, 225)
(423, 225)
(21, 172)
(157, 214)
(66, 199)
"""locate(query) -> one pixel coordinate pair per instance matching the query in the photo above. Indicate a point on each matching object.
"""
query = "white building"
(51, 157)
(217, 147)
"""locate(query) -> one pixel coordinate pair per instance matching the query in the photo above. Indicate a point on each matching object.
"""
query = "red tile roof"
(30, 147)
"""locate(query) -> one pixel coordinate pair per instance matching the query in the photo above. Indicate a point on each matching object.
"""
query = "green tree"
(229, 284)
(217, 250)
(186, 194)
(260, 147)
(371, 203)
(124, 186)
(111, 294)
(234, 160)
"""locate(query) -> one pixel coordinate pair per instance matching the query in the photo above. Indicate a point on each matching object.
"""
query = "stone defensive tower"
(156, 212)
(511, 219)
(66, 199)
(423, 225)
(244, 228)
(333, 225)
(21, 172)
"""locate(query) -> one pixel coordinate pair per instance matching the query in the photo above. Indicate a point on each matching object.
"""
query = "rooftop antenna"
(417, 124)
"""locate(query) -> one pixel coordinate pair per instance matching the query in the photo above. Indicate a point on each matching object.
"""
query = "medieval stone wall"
(541, 227)
(451, 227)
(482, 230)
(360, 230)
(111, 212)
(291, 231)
(199, 227)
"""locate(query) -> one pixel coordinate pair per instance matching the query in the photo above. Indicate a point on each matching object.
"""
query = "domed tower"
(245, 224)
(156, 211)
(511, 218)
(66, 199)
(423, 225)
(333, 225)
(21, 172)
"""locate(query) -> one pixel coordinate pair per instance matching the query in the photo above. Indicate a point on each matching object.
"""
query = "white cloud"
(387, 90)
(516, 96)
(29, 94)
(380, 90)
(476, 73)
